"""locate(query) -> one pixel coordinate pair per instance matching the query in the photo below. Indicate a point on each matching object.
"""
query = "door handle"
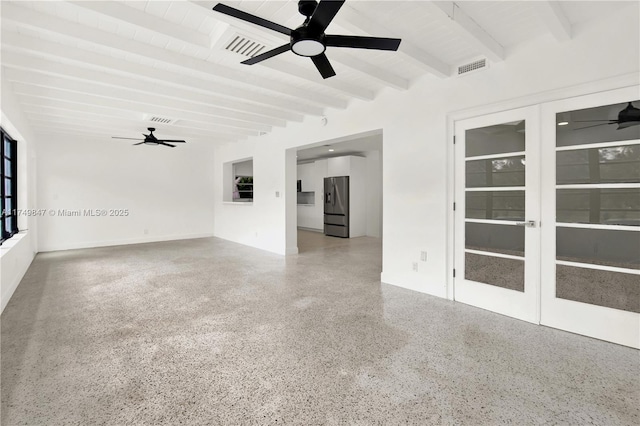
(528, 223)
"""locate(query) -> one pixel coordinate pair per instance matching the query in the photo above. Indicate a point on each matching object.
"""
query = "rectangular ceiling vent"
(161, 120)
(245, 46)
(472, 67)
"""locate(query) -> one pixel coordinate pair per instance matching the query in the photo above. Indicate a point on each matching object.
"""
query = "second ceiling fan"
(309, 39)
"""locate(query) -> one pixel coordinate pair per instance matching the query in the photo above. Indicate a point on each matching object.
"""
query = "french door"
(497, 237)
(591, 237)
(547, 224)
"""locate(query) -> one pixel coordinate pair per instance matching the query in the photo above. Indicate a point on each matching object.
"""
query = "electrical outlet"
(277, 194)
(423, 256)
(415, 266)
(146, 231)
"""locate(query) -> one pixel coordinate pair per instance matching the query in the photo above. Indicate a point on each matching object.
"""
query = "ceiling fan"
(151, 139)
(629, 116)
(309, 39)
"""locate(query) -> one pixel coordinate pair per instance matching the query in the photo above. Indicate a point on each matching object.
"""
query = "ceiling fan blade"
(359, 42)
(595, 125)
(269, 54)
(589, 121)
(131, 139)
(166, 144)
(228, 10)
(171, 140)
(324, 66)
(139, 143)
(324, 14)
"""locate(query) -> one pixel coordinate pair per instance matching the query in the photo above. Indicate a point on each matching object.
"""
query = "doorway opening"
(352, 167)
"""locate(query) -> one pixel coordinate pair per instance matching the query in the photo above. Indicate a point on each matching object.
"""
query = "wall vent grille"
(245, 46)
(472, 66)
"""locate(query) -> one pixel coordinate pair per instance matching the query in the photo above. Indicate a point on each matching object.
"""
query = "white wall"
(167, 192)
(416, 139)
(17, 253)
(374, 194)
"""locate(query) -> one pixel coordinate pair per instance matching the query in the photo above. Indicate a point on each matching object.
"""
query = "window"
(8, 188)
(238, 181)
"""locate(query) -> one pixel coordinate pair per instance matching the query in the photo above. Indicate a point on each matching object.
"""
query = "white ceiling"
(102, 69)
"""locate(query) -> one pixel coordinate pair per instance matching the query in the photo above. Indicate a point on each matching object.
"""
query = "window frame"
(12, 176)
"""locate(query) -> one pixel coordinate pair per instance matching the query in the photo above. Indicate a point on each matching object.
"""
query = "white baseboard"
(416, 283)
(302, 228)
(120, 242)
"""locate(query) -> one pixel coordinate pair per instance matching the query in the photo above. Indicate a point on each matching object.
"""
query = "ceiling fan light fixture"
(305, 43)
(308, 48)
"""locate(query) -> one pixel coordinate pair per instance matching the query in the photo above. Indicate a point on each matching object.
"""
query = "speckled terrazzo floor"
(209, 332)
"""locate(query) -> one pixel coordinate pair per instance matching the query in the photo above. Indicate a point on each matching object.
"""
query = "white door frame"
(522, 305)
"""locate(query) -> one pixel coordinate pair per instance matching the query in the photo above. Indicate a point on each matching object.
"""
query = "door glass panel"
(606, 123)
(605, 206)
(498, 139)
(603, 288)
(499, 205)
(507, 171)
(505, 239)
(599, 246)
(498, 271)
(605, 191)
(502, 169)
(616, 164)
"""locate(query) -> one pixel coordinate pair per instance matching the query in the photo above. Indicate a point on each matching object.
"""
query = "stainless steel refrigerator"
(336, 206)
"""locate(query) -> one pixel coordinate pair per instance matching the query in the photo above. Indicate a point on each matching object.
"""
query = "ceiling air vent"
(472, 66)
(161, 120)
(245, 46)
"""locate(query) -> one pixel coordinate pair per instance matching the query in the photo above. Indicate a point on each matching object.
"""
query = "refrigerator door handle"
(333, 191)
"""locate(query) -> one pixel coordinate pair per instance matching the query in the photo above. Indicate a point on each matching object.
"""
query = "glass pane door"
(593, 248)
(496, 224)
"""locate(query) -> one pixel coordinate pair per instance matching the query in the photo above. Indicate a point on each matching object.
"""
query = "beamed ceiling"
(105, 68)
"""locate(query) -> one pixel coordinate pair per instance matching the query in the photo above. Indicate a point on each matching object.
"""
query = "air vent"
(472, 66)
(245, 46)
(161, 120)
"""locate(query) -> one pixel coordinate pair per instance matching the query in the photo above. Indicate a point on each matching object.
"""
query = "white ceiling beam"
(131, 16)
(355, 21)
(380, 75)
(30, 102)
(135, 104)
(47, 73)
(80, 114)
(469, 29)
(40, 80)
(555, 19)
(311, 74)
(42, 22)
(16, 42)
